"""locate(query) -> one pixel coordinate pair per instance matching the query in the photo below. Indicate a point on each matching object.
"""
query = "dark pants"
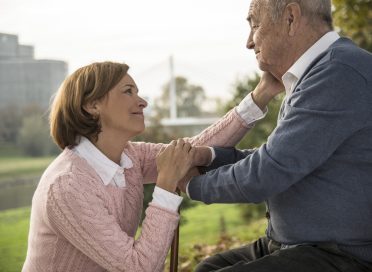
(265, 255)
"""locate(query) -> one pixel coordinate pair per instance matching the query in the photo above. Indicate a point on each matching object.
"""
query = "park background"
(212, 72)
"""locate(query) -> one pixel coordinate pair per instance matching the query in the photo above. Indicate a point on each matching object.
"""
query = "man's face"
(268, 39)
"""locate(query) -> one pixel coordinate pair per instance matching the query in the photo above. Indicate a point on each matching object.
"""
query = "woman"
(87, 206)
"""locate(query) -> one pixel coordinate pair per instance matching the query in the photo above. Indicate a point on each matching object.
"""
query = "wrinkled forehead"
(255, 8)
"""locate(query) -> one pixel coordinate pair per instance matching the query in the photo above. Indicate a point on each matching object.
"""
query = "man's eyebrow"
(250, 17)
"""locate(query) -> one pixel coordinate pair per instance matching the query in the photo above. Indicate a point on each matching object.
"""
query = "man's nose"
(250, 43)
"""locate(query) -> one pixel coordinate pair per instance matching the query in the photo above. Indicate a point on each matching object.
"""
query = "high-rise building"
(25, 80)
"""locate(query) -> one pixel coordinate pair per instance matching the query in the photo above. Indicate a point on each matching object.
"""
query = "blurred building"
(25, 80)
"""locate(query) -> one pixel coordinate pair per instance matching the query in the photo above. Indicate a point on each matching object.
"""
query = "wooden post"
(174, 246)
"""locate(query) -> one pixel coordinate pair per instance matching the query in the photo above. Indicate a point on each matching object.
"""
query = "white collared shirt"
(291, 77)
(114, 174)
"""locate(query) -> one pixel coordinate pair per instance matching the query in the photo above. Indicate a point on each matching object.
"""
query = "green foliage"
(25, 130)
(354, 18)
(14, 226)
(10, 122)
(34, 136)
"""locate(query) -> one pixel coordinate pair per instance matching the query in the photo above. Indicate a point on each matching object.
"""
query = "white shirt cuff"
(213, 155)
(166, 199)
(187, 189)
(249, 111)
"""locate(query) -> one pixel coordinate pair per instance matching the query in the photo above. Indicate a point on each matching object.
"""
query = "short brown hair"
(68, 118)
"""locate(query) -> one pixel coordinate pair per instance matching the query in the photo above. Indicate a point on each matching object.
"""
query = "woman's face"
(121, 110)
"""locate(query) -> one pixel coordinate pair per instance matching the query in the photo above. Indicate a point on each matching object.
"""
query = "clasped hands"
(176, 164)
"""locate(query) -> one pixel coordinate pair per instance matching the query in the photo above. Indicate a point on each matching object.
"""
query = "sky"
(206, 38)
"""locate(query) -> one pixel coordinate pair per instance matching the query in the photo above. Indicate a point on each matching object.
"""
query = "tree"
(189, 99)
(354, 18)
(10, 123)
(34, 136)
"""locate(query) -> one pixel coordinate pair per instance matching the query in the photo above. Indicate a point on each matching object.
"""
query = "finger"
(191, 154)
(187, 147)
(162, 149)
(180, 144)
(173, 142)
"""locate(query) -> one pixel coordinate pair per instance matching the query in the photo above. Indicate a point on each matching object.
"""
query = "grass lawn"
(203, 224)
(14, 226)
(18, 167)
(202, 227)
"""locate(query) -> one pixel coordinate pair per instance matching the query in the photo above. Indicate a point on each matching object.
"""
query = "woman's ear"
(293, 17)
(92, 108)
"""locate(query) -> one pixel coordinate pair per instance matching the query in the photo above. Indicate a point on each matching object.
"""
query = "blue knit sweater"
(315, 171)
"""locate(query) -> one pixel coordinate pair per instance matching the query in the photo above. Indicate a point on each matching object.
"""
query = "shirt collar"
(296, 71)
(105, 168)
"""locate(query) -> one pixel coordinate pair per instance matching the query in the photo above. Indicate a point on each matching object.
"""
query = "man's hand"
(267, 89)
(193, 172)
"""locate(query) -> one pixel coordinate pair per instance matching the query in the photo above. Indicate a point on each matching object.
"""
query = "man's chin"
(263, 67)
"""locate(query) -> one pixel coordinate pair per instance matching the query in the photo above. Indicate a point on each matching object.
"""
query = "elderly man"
(315, 171)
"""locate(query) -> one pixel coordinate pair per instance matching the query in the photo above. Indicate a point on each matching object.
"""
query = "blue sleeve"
(326, 108)
(225, 156)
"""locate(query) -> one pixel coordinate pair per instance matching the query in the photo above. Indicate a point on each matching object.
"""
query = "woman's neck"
(112, 145)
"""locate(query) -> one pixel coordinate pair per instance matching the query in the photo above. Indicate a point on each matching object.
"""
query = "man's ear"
(292, 15)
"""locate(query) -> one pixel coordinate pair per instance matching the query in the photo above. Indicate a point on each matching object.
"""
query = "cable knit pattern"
(79, 224)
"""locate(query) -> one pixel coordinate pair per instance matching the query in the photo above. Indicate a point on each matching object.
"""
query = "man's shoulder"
(347, 53)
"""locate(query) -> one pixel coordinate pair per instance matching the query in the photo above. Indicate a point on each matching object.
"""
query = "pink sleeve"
(83, 219)
(226, 132)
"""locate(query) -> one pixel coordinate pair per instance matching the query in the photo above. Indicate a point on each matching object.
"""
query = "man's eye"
(255, 26)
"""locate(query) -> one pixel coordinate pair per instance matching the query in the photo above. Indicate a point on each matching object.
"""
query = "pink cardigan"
(79, 224)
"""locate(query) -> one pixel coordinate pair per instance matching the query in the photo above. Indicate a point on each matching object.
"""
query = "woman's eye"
(128, 91)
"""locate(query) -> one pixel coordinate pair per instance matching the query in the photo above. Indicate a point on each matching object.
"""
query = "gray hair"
(316, 10)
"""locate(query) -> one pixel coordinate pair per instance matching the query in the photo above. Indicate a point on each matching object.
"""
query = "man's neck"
(301, 44)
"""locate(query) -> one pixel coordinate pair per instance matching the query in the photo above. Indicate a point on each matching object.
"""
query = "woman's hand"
(182, 184)
(173, 163)
(202, 156)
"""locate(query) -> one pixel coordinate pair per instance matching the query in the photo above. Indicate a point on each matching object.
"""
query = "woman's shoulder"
(68, 166)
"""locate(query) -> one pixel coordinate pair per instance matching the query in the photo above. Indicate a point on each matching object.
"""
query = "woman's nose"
(142, 102)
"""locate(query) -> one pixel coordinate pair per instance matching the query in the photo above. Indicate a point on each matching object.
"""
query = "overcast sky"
(207, 38)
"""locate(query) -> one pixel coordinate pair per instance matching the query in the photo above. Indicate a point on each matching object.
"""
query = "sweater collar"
(107, 170)
(294, 73)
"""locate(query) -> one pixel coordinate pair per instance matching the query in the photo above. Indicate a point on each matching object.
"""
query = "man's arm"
(317, 119)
